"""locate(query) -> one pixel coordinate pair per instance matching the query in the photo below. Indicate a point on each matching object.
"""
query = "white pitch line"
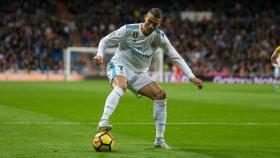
(147, 123)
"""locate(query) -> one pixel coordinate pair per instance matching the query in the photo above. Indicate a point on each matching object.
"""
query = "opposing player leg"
(118, 79)
(156, 93)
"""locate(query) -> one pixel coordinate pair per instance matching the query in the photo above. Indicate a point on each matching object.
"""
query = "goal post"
(158, 60)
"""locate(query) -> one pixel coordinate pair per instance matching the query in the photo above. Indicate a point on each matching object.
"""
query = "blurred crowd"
(237, 41)
(30, 36)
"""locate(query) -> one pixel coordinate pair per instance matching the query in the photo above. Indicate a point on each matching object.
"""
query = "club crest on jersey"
(135, 34)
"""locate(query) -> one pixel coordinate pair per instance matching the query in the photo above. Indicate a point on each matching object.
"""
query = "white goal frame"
(92, 50)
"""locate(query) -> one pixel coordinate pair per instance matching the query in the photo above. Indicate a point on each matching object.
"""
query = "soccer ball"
(103, 141)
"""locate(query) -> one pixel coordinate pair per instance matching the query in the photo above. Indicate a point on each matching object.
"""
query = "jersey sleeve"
(171, 52)
(111, 39)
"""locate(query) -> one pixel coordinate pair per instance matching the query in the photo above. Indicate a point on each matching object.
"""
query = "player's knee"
(120, 82)
(122, 85)
(160, 95)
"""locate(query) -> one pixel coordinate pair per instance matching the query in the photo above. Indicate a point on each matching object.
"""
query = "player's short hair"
(156, 12)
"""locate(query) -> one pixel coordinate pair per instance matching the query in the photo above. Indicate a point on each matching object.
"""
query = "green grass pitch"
(58, 120)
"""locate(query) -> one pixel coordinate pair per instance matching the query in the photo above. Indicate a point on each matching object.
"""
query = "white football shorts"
(136, 81)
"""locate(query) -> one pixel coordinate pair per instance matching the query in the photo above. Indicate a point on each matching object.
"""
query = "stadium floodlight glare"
(157, 60)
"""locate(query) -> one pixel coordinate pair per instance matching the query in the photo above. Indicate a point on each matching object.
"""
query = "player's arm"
(179, 61)
(111, 39)
(275, 55)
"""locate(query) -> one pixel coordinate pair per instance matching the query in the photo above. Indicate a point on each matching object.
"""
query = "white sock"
(160, 117)
(111, 104)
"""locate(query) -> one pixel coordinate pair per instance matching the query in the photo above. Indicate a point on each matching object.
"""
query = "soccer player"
(276, 66)
(128, 68)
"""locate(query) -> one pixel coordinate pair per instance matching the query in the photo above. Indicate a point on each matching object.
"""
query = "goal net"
(79, 60)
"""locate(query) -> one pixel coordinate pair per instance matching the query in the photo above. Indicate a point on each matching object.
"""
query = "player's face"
(151, 24)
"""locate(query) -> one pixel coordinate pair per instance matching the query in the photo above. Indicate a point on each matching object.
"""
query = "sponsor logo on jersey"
(139, 52)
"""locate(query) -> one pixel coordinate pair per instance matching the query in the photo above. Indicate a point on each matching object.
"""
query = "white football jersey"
(135, 50)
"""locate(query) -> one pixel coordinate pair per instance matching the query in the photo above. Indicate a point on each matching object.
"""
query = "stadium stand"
(237, 40)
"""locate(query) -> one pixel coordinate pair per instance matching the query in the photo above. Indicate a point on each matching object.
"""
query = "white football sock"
(160, 117)
(111, 104)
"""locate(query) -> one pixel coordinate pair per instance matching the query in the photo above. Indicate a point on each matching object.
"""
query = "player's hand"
(98, 59)
(198, 82)
(273, 58)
